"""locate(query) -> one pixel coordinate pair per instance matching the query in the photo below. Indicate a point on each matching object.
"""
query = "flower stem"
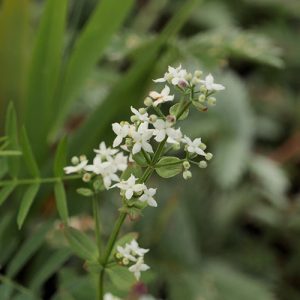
(96, 213)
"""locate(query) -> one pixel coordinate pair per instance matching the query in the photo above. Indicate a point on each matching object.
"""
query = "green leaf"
(28, 154)
(44, 73)
(85, 192)
(81, 244)
(49, 267)
(168, 166)
(89, 48)
(60, 158)
(26, 203)
(10, 153)
(175, 109)
(61, 201)
(27, 249)
(140, 159)
(11, 130)
(121, 277)
(6, 191)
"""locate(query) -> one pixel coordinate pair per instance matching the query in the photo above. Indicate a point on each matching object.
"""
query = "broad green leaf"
(49, 267)
(27, 250)
(60, 158)
(28, 154)
(61, 201)
(11, 130)
(121, 277)
(89, 48)
(168, 166)
(44, 73)
(26, 203)
(175, 109)
(81, 244)
(6, 191)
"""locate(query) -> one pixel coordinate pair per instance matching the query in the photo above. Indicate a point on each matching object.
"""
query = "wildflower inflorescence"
(145, 143)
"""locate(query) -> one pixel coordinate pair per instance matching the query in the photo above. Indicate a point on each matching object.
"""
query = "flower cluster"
(132, 255)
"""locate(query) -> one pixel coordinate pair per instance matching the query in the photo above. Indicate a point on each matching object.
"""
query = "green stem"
(96, 212)
(184, 108)
(38, 180)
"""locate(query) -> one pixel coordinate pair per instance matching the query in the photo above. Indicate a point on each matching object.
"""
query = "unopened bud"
(208, 156)
(198, 73)
(203, 89)
(186, 164)
(153, 118)
(202, 98)
(125, 261)
(176, 147)
(134, 118)
(86, 177)
(142, 110)
(212, 101)
(82, 157)
(128, 142)
(171, 118)
(187, 175)
(202, 164)
(202, 146)
(188, 76)
(148, 101)
(195, 80)
(119, 255)
(75, 160)
(182, 83)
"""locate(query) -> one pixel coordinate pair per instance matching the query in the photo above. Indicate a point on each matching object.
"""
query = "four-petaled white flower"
(141, 139)
(139, 267)
(210, 85)
(141, 117)
(163, 129)
(136, 249)
(105, 152)
(163, 96)
(121, 131)
(130, 187)
(75, 169)
(193, 146)
(148, 197)
(126, 252)
(118, 162)
(174, 75)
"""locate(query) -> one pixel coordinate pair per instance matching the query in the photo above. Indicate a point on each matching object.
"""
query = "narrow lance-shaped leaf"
(60, 158)
(26, 203)
(28, 154)
(105, 21)
(61, 201)
(6, 191)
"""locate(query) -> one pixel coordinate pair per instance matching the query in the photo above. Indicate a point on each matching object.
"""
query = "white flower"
(161, 97)
(175, 75)
(148, 197)
(121, 131)
(126, 252)
(163, 129)
(118, 162)
(104, 151)
(193, 146)
(130, 187)
(105, 169)
(139, 267)
(77, 168)
(141, 137)
(210, 85)
(109, 296)
(136, 249)
(141, 117)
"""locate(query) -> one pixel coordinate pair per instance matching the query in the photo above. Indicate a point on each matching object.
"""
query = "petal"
(165, 91)
(129, 194)
(159, 80)
(136, 148)
(218, 87)
(117, 141)
(160, 136)
(147, 147)
(152, 202)
(116, 127)
(154, 95)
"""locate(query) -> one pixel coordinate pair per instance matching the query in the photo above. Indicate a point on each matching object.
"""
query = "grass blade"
(60, 158)
(6, 191)
(61, 201)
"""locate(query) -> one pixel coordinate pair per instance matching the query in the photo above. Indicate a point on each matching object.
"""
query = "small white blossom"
(174, 75)
(148, 197)
(163, 129)
(104, 151)
(193, 146)
(210, 85)
(77, 168)
(109, 296)
(141, 117)
(141, 137)
(139, 267)
(121, 131)
(163, 96)
(119, 162)
(136, 249)
(130, 187)
(126, 252)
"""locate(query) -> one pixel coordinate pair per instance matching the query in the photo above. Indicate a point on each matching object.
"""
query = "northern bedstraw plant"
(141, 147)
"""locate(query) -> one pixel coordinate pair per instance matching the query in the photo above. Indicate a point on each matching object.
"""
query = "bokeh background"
(73, 67)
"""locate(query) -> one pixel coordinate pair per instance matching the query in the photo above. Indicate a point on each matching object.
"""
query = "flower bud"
(212, 101)
(202, 146)
(169, 77)
(119, 255)
(202, 164)
(186, 164)
(142, 110)
(186, 175)
(176, 147)
(125, 261)
(182, 84)
(148, 101)
(188, 76)
(203, 89)
(202, 98)
(195, 80)
(171, 118)
(198, 73)
(82, 157)
(128, 142)
(75, 160)
(134, 118)
(208, 156)
(153, 118)
(86, 177)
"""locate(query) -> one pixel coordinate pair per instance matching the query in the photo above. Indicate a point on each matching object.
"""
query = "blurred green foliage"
(72, 67)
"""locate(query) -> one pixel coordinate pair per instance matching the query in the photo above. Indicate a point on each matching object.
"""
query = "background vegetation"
(71, 68)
